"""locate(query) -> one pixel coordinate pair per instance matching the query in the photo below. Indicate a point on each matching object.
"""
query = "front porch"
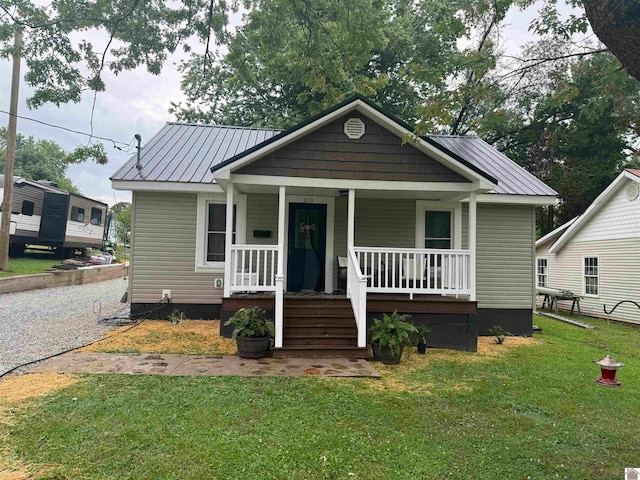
(324, 325)
(297, 278)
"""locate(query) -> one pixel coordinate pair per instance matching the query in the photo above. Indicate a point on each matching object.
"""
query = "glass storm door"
(307, 247)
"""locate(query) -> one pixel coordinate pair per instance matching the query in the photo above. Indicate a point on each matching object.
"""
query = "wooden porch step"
(301, 351)
(317, 310)
(319, 329)
(321, 342)
(305, 334)
(314, 320)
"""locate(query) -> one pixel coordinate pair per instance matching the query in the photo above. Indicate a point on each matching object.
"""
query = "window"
(591, 276)
(77, 214)
(542, 272)
(216, 231)
(437, 228)
(27, 208)
(96, 216)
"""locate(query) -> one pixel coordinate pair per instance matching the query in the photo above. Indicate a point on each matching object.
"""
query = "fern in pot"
(389, 336)
(252, 332)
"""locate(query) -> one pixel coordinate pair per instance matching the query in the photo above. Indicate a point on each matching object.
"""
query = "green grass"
(33, 261)
(534, 412)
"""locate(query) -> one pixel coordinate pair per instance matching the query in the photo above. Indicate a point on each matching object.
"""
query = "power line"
(126, 145)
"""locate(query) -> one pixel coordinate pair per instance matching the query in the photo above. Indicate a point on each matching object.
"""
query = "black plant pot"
(253, 347)
(422, 348)
(384, 355)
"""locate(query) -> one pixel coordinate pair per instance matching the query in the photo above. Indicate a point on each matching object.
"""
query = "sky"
(138, 102)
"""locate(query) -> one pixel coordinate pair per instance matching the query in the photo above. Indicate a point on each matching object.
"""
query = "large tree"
(38, 159)
(292, 58)
(62, 61)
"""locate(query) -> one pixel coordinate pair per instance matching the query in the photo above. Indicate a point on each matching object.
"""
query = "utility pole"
(7, 200)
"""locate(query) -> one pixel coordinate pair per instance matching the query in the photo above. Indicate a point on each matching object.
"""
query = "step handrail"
(357, 293)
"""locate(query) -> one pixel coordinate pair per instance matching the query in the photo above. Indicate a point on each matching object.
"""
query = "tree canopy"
(38, 159)
(568, 113)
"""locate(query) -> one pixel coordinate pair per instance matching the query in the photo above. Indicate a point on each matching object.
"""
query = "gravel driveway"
(39, 323)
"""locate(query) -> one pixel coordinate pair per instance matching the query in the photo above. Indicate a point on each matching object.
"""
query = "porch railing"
(415, 271)
(357, 293)
(253, 268)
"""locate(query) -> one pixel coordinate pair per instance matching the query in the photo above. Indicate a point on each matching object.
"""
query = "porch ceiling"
(335, 192)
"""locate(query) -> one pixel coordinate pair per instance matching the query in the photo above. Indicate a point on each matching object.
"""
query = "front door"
(307, 247)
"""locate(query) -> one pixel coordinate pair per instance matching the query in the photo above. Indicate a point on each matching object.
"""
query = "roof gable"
(611, 215)
(329, 153)
(374, 113)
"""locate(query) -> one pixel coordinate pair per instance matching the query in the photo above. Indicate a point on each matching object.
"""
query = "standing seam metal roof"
(186, 152)
(512, 178)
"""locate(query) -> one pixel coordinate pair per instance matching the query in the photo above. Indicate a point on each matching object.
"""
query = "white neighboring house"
(597, 255)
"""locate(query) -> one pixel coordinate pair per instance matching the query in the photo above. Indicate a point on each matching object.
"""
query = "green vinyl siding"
(164, 249)
(505, 263)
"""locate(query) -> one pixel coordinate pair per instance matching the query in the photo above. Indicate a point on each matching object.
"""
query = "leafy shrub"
(251, 322)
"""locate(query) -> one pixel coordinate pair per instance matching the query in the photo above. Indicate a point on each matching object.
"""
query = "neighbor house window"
(77, 214)
(437, 229)
(591, 272)
(96, 216)
(27, 207)
(542, 272)
(216, 231)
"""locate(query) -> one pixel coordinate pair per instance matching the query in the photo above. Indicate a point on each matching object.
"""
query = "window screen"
(591, 273)
(96, 216)
(437, 229)
(542, 272)
(216, 231)
(77, 214)
(27, 207)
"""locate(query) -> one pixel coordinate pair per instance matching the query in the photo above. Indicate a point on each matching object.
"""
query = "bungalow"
(595, 255)
(331, 223)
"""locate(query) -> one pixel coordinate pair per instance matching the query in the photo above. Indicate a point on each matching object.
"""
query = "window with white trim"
(216, 231)
(591, 276)
(542, 265)
(438, 229)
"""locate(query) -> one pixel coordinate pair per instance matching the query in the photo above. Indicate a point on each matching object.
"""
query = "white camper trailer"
(42, 214)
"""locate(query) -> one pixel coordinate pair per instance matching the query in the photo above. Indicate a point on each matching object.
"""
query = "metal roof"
(186, 152)
(512, 178)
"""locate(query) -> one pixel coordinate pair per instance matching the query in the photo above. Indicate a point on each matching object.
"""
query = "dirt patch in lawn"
(17, 392)
(398, 377)
(189, 337)
(15, 389)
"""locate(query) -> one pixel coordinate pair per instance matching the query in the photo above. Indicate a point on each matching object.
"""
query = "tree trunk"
(617, 25)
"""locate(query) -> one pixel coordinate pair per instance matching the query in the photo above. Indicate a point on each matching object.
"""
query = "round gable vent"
(632, 192)
(354, 128)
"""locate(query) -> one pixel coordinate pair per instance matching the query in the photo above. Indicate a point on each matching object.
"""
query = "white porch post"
(228, 241)
(350, 231)
(351, 218)
(279, 313)
(472, 246)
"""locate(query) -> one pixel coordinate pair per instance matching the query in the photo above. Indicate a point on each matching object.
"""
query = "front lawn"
(33, 261)
(532, 412)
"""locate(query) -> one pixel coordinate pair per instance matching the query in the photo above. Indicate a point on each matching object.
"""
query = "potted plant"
(389, 337)
(423, 333)
(252, 332)
(498, 332)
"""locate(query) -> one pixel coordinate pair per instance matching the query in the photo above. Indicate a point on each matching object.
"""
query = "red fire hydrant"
(608, 367)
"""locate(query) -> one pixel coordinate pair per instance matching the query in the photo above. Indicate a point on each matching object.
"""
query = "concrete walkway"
(209, 365)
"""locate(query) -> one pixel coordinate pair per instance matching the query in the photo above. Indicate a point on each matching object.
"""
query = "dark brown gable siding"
(329, 153)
